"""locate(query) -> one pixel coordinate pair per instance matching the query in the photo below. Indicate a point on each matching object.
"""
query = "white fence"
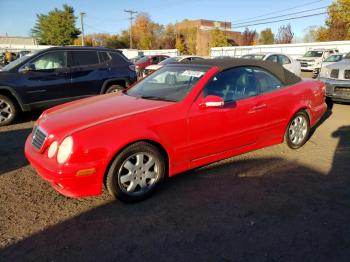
(131, 53)
(294, 50)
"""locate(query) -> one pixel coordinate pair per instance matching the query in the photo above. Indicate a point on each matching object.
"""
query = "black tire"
(114, 89)
(298, 139)
(8, 111)
(119, 187)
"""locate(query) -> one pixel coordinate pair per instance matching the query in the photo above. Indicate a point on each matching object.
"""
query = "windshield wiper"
(157, 98)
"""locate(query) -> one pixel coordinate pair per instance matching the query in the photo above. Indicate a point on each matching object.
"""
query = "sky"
(108, 16)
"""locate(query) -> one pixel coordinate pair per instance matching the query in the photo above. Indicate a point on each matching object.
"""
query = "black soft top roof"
(287, 77)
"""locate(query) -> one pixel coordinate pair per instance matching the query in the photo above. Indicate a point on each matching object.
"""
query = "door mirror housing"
(27, 68)
(212, 102)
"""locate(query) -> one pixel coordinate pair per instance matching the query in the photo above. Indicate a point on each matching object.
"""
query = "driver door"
(46, 79)
(213, 131)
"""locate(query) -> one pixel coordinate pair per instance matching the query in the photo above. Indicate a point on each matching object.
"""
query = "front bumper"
(63, 178)
(337, 90)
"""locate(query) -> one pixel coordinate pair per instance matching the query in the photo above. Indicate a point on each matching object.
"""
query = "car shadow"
(323, 119)
(261, 209)
(10, 141)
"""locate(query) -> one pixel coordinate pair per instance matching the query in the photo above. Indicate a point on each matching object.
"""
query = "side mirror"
(212, 102)
(27, 68)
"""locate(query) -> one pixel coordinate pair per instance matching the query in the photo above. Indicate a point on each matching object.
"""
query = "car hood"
(344, 64)
(309, 58)
(75, 116)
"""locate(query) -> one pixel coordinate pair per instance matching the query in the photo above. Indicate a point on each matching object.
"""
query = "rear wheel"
(136, 172)
(8, 111)
(298, 130)
(114, 89)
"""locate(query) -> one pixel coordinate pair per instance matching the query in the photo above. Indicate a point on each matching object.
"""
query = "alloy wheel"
(298, 130)
(138, 174)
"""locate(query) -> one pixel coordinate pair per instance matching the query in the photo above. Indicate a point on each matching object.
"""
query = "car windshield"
(170, 83)
(313, 54)
(334, 58)
(254, 56)
(13, 64)
(143, 59)
(170, 60)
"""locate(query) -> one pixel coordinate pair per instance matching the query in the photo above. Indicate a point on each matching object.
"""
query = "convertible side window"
(266, 82)
(233, 84)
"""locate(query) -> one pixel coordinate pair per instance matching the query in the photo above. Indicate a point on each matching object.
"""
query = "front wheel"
(136, 172)
(298, 130)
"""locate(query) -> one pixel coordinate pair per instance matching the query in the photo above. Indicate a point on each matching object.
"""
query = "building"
(17, 43)
(202, 30)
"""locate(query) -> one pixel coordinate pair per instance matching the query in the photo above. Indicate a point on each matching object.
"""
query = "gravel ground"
(274, 204)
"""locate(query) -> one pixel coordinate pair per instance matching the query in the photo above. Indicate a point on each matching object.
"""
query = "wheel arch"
(159, 146)
(117, 81)
(12, 94)
(293, 113)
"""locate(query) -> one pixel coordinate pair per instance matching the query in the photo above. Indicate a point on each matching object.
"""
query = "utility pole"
(131, 17)
(82, 27)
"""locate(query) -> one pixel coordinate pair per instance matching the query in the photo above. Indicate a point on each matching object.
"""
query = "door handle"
(257, 108)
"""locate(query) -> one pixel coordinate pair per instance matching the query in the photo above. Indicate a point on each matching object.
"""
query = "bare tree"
(285, 35)
(249, 37)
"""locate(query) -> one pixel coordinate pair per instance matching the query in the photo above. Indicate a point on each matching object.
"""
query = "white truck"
(314, 58)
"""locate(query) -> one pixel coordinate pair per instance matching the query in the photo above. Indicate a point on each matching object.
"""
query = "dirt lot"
(270, 205)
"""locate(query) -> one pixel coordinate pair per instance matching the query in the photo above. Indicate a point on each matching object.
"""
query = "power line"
(287, 19)
(279, 16)
(279, 11)
(98, 29)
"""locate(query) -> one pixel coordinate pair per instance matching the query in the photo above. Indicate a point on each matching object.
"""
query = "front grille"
(335, 73)
(38, 138)
(347, 74)
(341, 89)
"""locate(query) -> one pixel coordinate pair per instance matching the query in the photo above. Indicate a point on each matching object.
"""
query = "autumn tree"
(145, 32)
(249, 37)
(57, 27)
(285, 35)
(338, 22)
(266, 37)
(311, 34)
(186, 40)
(168, 37)
(217, 38)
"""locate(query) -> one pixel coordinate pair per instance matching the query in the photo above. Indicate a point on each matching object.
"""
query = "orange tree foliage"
(338, 22)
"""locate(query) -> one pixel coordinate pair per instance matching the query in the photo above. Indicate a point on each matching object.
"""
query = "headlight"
(325, 72)
(52, 150)
(65, 150)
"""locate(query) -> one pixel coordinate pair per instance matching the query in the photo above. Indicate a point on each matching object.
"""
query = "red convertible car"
(183, 116)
